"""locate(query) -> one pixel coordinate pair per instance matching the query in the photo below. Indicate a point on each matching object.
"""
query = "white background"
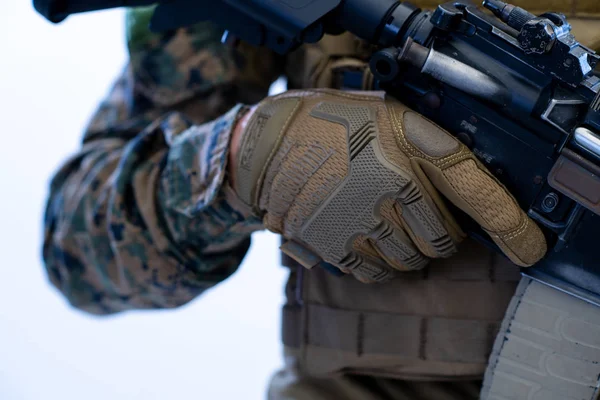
(224, 345)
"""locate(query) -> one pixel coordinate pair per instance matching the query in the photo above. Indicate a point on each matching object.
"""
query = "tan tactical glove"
(355, 179)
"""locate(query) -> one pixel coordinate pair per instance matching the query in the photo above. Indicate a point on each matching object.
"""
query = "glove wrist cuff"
(260, 139)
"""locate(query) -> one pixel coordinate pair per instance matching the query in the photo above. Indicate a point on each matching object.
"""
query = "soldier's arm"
(143, 216)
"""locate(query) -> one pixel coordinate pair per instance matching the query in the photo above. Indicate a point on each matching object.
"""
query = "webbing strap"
(548, 348)
(372, 333)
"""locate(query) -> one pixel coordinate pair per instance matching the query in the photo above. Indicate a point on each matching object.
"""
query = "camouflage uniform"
(143, 216)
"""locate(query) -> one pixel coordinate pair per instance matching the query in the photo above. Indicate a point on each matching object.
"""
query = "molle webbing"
(439, 323)
(360, 334)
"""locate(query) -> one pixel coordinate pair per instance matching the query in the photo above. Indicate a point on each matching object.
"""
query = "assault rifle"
(517, 88)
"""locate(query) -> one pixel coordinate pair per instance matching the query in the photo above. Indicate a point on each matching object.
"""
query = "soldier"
(186, 158)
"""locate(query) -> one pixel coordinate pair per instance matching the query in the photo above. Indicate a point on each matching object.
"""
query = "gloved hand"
(354, 179)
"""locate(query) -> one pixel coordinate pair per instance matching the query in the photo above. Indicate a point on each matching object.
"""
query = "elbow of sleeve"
(113, 242)
(66, 273)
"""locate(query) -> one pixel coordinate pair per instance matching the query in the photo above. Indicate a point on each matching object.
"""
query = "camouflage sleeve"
(142, 216)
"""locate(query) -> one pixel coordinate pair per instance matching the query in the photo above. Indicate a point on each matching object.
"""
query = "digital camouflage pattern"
(176, 66)
(169, 69)
(142, 216)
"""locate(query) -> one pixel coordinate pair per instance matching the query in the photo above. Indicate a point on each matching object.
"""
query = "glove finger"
(365, 268)
(418, 221)
(469, 186)
(392, 246)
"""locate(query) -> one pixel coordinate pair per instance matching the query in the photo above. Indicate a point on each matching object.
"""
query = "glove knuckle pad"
(353, 207)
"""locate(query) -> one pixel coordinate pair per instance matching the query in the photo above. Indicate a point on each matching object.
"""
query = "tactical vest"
(439, 323)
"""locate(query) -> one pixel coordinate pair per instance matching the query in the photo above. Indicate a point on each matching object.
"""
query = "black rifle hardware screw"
(550, 202)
